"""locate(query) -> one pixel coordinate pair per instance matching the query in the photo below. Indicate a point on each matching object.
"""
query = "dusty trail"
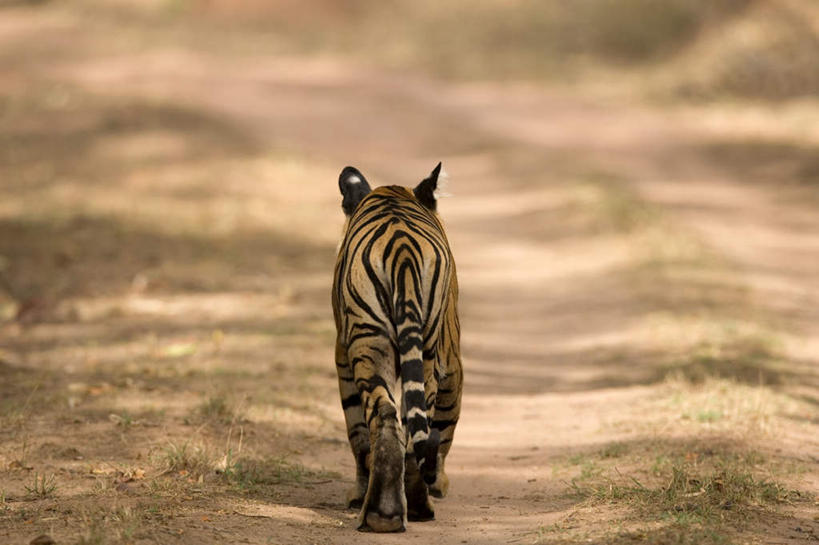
(568, 304)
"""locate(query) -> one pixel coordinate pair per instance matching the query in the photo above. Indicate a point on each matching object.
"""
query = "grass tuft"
(613, 450)
(185, 458)
(42, 486)
(117, 524)
(218, 408)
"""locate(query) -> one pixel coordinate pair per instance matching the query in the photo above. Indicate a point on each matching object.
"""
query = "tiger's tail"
(422, 444)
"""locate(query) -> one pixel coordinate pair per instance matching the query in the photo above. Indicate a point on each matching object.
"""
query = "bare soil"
(640, 292)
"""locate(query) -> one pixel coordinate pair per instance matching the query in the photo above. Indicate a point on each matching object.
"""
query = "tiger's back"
(397, 353)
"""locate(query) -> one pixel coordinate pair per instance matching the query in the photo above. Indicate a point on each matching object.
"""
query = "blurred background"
(634, 224)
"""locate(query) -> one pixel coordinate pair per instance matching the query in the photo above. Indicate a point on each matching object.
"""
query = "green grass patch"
(708, 416)
(42, 486)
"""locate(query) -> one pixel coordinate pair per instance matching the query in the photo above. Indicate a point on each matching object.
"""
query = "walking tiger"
(395, 298)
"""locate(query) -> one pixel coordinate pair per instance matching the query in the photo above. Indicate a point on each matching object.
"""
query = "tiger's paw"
(355, 496)
(440, 487)
(376, 522)
(420, 512)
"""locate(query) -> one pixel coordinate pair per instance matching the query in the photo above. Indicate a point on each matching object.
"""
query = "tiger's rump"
(393, 269)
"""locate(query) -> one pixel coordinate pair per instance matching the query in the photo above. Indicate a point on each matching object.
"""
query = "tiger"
(400, 376)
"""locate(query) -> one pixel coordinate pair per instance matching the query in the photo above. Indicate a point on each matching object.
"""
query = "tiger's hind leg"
(384, 508)
(357, 431)
(447, 412)
(419, 506)
(418, 478)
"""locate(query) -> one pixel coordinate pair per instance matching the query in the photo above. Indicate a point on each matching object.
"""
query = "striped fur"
(395, 298)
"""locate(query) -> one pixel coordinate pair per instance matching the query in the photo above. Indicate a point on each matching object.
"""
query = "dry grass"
(691, 493)
(724, 404)
(255, 476)
(185, 459)
(221, 409)
(118, 524)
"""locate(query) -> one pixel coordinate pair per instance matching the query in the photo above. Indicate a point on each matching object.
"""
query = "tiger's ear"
(427, 191)
(354, 188)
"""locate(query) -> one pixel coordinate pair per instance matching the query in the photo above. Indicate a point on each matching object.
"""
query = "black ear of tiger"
(354, 188)
(425, 191)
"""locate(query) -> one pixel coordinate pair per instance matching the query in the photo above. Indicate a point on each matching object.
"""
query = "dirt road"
(639, 294)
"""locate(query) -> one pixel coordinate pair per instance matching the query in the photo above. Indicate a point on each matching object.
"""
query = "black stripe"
(384, 300)
(351, 401)
(409, 332)
(360, 359)
(412, 370)
(443, 424)
(404, 237)
(414, 398)
(367, 334)
(358, 427)
(445, 408)
(405, 346)
(371, 383)
(417, 422)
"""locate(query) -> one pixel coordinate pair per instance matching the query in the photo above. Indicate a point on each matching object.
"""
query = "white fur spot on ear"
(442, 189)
(353, 180)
